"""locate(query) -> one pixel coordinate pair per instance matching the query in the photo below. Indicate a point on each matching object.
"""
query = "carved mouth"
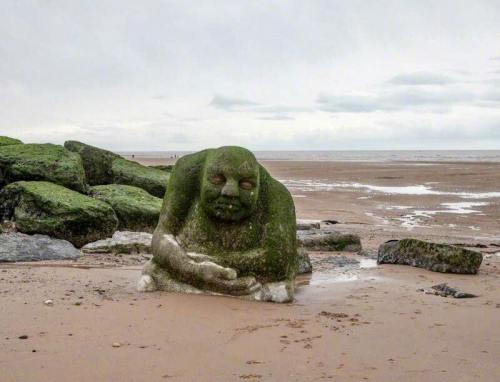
(228, 205)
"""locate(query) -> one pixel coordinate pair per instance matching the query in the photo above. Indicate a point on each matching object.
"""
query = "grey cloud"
(349, 103)
(229, 103)
(276, 117)
(398, 100)
(421, 78)
(284, 109)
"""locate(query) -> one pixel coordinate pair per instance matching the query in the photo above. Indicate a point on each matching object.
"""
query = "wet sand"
(347, 324)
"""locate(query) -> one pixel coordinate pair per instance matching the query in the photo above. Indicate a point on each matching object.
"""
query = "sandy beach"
(354, 323)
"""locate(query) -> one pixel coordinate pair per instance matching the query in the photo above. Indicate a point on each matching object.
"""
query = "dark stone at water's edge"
(444, 290)
(305, 265)
(320, 240)
(434, 257)
(20, 247)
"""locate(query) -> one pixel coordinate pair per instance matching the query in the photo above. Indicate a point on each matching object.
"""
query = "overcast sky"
(282, 75)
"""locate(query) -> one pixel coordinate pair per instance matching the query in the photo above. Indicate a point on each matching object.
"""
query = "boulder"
(136, 209)
(131, 173)
(96, 162)
(47, 162)
(434, 257)
(6, 141)
(122, 242)
(305, 265)
(163, 167)
(20, 247)
(325, 240)
(50, 209)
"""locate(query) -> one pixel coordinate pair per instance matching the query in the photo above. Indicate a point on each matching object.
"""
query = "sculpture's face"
(230, 184)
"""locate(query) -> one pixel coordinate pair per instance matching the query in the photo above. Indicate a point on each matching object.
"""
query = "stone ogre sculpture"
(226, 227)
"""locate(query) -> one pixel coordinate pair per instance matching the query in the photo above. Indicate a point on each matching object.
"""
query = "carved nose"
(230, 189)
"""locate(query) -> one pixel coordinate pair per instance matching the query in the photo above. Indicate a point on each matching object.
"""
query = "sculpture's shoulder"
(274, 194)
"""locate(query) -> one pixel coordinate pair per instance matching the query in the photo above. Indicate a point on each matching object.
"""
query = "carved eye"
(246, 184)
(218, 179)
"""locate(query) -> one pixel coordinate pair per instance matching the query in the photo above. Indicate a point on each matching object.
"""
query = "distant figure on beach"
(226, 227)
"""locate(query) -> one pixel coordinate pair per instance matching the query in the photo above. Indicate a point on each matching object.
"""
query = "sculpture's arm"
(279, 241)
(183, 186)
(198, 270)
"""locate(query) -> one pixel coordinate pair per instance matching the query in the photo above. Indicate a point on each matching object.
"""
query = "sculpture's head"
(230, 183)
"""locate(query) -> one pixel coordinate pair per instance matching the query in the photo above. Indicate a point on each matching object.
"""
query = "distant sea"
(354, 156)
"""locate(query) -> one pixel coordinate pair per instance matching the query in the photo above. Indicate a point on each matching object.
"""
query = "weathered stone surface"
(305, 265)
(136, 209)
(444, 290)
(47, 162)
(131, 173)
(327, 240)
(17, 246)
(431, 256)
(96, 162)
(226, 227)
(6, 141)
(305, 225)
(50, 209)
(122, 242)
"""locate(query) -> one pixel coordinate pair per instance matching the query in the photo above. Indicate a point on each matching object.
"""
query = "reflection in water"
(335, 268)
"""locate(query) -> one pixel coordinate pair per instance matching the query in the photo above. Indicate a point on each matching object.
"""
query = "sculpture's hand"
(208, 270)
(167, 252)
(224, 280)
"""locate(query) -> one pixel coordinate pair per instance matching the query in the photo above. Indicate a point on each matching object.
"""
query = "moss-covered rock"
(6, 141)
(318, 240)
(136, 209)
(48, 162)
(431, 256)
(131, 173)
(50, 209)
(163, 167)
(96, 162)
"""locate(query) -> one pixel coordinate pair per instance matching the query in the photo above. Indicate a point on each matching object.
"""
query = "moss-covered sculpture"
(6, 141)
(96, 162)
(135, 208)
(50, 209)
(48, 162)
(227, 227)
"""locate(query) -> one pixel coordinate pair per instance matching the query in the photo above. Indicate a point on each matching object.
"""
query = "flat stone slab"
(122, 242)
(328, 240)
(16, 246)
(432, 256)
(304, 224)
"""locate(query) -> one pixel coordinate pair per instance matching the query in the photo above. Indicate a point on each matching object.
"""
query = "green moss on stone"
(96, 162)
(262, 244)
(131, 173)
(136, 209)
(431, 256)
(50, 209)
(6, 141)
(47, 162)
(167, 167)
